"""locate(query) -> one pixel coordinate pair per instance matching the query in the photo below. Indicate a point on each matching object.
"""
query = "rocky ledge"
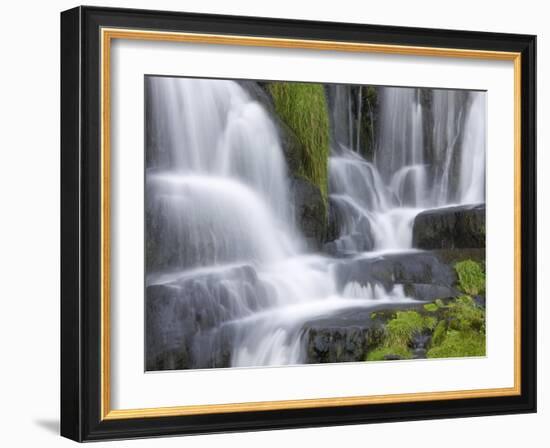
(423, 275)
(309, 211)
(184, 316)
(457, 227)
(347, 336)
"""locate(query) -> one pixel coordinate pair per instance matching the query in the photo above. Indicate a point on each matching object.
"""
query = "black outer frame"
(80, 224)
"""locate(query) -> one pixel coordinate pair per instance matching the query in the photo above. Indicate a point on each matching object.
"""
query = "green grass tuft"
(406, 325)
(457, 329)
(471, 277)
(399, 334)
(460, 332)
(439, 333)
(303, 108)
(464, 315)
(457, 344)
(383, 353)
(431, 307)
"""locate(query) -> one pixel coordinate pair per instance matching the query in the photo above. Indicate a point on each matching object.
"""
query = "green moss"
(471, 278)
(465, 315)
(460, 332)
(458, 344)
(406, 325)
(457, 329)
(439, 333)
(399, 333)
(303, 108)
(431, 307)
(383, 353)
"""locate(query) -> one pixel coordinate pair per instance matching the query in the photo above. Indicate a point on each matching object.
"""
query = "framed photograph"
(275, 224)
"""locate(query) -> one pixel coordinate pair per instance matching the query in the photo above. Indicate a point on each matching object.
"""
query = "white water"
(218, 184)
(217, 192)
(377, 201)
(472, 167)
(372, 217)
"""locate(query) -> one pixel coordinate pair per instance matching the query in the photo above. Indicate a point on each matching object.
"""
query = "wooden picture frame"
(86, 35)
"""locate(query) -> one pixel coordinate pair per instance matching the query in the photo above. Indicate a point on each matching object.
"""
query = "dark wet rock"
(185, 315)
(309, 211)
(420, 344)
(348, 335)
(421, 268)
(344, 337)
(361, 107)
(413, 269)
(292, 148)
(348, 245)
(348, 231)
(450, 228)
(452, 256)
(480, 301)
(169, 359)
(335, 221)
(429, 292)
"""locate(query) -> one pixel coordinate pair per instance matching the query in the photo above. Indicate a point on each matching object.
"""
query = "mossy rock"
(390, 353)
(400, 334)
(302, 107)
(402, 329)
(310, 211)
(471, 277)
(431, 307)
(345, 336)
(453, 256)
(459, 344)
(439, 333)
(447, 328)
(461, 330)
(456, 227)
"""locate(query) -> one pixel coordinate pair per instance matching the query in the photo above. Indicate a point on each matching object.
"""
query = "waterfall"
(215, 128)
(377, 201)
(342, 126)
(227, 268)
(401, 141)
(430, 152)
(218, 216)
(448, 112)
(472, 165)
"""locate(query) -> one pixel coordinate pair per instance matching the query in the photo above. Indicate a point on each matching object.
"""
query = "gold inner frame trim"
(107, 35)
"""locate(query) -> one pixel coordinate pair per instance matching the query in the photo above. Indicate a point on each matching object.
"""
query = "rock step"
(458, 227)
(409, 268)
(346, 336)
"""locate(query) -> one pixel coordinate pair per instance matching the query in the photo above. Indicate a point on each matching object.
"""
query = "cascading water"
(472, 163)
(377, 201)
(226, 259)
(219, 215)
